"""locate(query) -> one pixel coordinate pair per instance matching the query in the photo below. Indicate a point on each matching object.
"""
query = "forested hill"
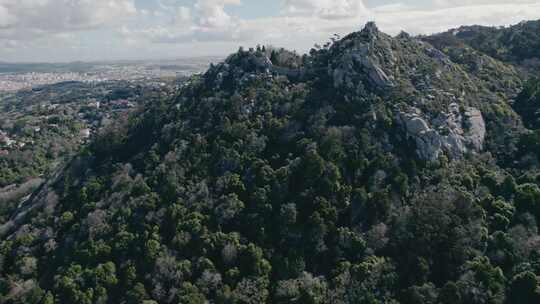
(518, 44)
(375, 169)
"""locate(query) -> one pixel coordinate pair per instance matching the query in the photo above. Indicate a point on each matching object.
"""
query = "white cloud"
(394, 7)
(212, 15)
(5, 17)
(326, 9)
(207, 20)
(454, 3)
(437, 20)
(183, 15)
(301, 31)
(23, 17)
(210, 27)
(303, 23)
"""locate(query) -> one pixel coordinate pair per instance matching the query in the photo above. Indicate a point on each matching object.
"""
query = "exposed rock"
(428, 141)
(437, 54)
(371, 29)
(366, 57)
(454, 133)
(416, 126)
(476, 128)
(245, 66)
(339, 77)
(358, 65)
(375, 73)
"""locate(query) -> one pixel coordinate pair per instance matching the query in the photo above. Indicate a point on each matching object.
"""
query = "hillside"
(44, 128)
(376, 169)
(518, 44)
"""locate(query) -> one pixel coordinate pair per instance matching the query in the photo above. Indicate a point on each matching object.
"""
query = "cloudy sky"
(69, 30)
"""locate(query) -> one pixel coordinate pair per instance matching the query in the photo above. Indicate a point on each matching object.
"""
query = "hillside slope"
(377, 169)
(518, 44)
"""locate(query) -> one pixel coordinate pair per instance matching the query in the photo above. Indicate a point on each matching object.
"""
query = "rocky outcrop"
(454, 133)
(360, 62)
(357, 66)
(244, 66)
(476, 128)
(428, 141)
(375, 73)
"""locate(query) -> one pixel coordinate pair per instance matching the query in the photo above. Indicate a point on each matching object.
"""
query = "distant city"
(15, 77)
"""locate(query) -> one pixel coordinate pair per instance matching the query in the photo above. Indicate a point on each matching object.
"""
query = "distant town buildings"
(10, 82)
(122, 104)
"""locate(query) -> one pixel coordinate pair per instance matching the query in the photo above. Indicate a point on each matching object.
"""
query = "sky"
(95, 30)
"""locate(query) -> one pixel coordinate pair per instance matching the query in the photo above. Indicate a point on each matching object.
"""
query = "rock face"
(454, 133)
(476, 128)
(355, 64)
(375, 73)
(247, 65)
(360, 61)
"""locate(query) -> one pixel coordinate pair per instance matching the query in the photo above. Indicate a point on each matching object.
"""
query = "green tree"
(524, 288)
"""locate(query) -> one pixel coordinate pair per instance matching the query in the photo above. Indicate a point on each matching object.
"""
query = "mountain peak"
(370, 29)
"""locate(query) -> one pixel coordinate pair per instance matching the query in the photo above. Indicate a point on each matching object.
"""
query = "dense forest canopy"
(374, 169)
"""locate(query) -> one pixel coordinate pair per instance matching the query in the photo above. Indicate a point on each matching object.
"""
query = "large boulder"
(375, 73)
(476, 128)
(454, 133)
(428, 141)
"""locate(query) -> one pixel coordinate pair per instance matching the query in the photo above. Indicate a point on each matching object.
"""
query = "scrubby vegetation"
(518, 44)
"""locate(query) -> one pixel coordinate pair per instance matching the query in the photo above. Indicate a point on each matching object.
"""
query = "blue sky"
(69, 30)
